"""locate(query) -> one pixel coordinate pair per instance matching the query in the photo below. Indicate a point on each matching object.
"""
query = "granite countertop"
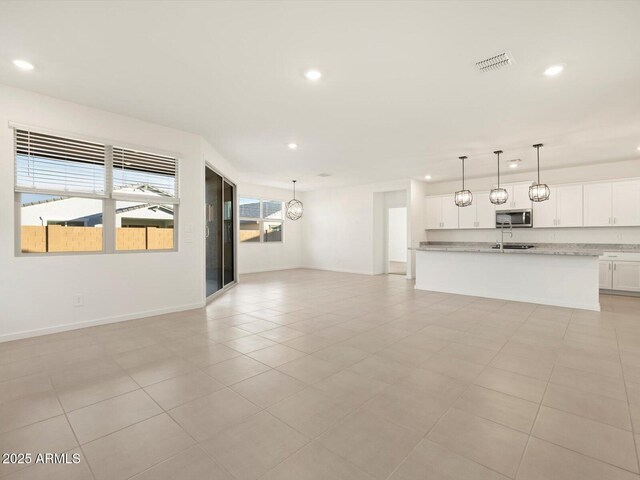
(579, 249)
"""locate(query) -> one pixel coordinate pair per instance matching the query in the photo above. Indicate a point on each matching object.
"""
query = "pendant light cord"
(294, 189)
(537, 147)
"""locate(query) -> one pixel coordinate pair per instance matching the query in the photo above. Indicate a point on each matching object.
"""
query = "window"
(261, 220)
(65, 187)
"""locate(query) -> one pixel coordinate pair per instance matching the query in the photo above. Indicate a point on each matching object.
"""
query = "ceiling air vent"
(324, 174)
(494, 63)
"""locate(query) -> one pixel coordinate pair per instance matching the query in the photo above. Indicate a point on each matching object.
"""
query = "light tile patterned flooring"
(317, 375)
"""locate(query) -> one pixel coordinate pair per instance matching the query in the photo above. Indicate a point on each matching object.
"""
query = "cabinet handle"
(558, 221)
(609, 267)
(614, 220)
(615, 266)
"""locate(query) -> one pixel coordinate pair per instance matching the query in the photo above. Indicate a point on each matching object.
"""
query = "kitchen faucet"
(504, 220)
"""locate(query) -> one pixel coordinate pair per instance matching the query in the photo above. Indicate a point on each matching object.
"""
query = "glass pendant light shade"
(463, 198)
(539, 192)
(294, 207)
(498, 195)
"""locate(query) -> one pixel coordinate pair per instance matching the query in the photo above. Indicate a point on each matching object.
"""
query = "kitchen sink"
(514, 246)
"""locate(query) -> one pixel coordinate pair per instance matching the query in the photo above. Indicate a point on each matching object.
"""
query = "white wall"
(36, 294)
(577, 174)
(417, 222)
(397, 234)
(264, 257)
(341, 232)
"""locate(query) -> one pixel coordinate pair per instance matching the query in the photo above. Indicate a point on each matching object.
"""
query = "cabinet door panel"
(509, 204)
(626, 203)
(521, 196)
(606, 270)
(434, 212)
(485, 212)
(569, 205)
(626, 276)
(450, 212)
(467, 216)
(545, 213)
(597, 204)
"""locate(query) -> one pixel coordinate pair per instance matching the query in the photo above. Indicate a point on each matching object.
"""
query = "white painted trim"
(340, 270)
(101, 321)
(263, 270)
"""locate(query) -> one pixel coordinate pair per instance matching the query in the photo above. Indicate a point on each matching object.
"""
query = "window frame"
(261, 219)
(108, 199)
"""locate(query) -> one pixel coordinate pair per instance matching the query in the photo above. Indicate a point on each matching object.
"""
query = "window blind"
(136, 172)
(48, 163)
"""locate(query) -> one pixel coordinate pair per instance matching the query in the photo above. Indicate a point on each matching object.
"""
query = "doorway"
(397, 240)
(220, 261)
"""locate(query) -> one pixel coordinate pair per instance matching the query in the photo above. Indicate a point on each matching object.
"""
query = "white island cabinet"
(565, 279)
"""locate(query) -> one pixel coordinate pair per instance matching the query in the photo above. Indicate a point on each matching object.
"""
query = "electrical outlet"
(78, 300)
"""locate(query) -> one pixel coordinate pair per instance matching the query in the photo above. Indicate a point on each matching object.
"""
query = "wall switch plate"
(78, 300)
(188, 238)
(188, 228)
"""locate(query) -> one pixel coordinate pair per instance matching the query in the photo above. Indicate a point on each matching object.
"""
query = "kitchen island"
(565, 276)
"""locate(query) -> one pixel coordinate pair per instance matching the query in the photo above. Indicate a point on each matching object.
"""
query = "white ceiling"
(400, 96)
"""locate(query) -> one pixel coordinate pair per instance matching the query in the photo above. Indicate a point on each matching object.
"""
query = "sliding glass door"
(228, 236)
(219, 232)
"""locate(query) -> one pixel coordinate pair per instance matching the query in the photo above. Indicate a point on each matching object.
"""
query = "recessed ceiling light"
(427, 177)
(292, 146)
(553, 70)
(313, 75)
(638, 148)
(513, 165)
(23, 65)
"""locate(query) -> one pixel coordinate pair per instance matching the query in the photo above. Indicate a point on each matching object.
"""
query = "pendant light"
(539, 192)
(294, 207)
(498, 195)
(463, 198)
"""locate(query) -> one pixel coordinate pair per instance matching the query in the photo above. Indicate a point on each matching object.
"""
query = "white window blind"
(142, 173)
(52, 164)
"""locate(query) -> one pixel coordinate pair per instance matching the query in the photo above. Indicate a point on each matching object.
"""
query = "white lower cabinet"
(626, 276)
(620, 271)
(606, 275)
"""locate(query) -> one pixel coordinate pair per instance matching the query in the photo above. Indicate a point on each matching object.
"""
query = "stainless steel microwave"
(515, 218)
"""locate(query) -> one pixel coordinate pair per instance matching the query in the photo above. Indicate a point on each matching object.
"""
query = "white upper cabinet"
(518, 197)
(626, 203)
(442, 212)
(434, 212)
(597, 204)
(569, 206)
(468, 216)
(521, 196)
(563, 209)
(545, 213)
(486, 211)
(449, 212)
(480, 214)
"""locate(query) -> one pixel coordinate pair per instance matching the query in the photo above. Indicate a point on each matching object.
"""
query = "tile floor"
(316, 375)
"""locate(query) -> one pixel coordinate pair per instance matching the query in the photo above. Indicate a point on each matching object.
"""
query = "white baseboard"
(263, 270)
(92, 323)
(339, 270)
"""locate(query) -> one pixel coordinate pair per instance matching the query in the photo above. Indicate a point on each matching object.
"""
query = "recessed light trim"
(313, 75)
(23, 65)
(292, 146)
(427, 177)
(554, 70)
